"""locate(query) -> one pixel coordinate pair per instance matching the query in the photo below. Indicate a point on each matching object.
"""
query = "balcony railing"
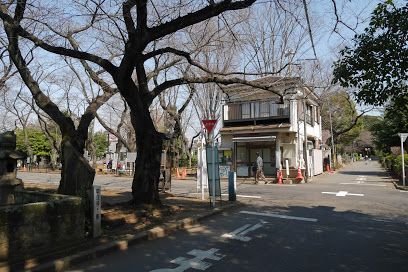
(255, 110)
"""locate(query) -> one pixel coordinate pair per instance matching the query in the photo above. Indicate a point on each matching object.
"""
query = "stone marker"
(9, 183)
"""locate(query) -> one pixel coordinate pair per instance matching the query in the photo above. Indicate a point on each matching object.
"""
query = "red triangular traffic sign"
(209, 125)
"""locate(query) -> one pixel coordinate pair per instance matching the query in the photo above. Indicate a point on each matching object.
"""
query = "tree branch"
(18, 30)
(205, 13)
(187, 56)
(210, 79)
(127, 15)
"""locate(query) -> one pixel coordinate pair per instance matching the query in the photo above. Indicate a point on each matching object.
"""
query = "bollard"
(232, 186)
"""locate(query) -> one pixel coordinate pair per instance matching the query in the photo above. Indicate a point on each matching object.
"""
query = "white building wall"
(293, 115)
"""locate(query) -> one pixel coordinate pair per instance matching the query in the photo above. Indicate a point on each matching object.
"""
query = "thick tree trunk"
(149, 143)
(76, 175)
(145, 186)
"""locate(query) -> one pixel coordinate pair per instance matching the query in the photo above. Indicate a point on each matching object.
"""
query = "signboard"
(403, 136)
(210, 163)
(224, 170)
(96, 210)
(209, 125)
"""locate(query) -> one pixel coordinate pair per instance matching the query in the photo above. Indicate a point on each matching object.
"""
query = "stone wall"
(29, 228)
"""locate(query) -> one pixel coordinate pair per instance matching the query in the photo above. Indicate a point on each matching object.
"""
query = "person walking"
(259, 169)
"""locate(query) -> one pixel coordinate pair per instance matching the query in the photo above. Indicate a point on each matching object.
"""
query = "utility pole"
(305, 139)
(332, 140)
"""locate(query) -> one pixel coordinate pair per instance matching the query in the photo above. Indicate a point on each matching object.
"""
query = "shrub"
(397, 164)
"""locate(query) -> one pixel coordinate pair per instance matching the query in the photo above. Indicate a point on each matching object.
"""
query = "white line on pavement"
(361, 179)
(239, 234)
(247, 196)
(281, 216)
(342, 193)
(358, 183)
(281, 185)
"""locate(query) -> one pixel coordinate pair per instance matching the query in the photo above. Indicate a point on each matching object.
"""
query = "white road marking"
(281, 216)
(247, 196)
(361, 179)
(359, 183)
(402, 191)
(194, 263)
(281, 185)
(342, 193)
(239, 234)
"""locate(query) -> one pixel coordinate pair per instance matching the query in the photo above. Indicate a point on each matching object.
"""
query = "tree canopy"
(38, 142)
(394, 121)
(376, 64)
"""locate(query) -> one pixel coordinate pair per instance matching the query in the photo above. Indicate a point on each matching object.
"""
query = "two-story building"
(257, 120)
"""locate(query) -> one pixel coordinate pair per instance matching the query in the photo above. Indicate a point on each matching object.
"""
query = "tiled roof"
(241, 92)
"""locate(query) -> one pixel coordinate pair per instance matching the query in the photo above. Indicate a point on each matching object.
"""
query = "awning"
(254, 139)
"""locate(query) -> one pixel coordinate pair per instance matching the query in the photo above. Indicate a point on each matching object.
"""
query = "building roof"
(269, 86)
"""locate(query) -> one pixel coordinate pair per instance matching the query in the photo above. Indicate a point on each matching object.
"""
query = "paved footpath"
(353, 220)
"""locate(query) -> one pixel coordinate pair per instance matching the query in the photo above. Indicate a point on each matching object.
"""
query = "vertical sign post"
(96, 210)
(403, 137)
(287, 169)
(209, 126)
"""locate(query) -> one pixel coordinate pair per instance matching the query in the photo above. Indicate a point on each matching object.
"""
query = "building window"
(273, 108)
(246, 110)
(264, 109)
(241, 154)
(255, 109)
(309, 114)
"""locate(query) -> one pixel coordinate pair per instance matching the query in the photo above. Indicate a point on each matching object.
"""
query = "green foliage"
(395, 120)
(184, 161)
(343, 114)
(377, 63)
(394, 163)
(100, 139)
(37, 141)
(397, 165)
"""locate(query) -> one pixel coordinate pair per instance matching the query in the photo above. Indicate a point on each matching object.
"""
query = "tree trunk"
(149, 142)
(76, 175)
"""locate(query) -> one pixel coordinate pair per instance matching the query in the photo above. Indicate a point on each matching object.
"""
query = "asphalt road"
(353, 220)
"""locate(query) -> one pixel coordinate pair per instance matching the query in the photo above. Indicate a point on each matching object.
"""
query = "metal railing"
(255, 110)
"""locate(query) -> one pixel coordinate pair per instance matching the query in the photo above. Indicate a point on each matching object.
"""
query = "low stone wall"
(39, 222)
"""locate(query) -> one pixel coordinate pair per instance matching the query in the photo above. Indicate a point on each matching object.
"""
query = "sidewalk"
(123, 226)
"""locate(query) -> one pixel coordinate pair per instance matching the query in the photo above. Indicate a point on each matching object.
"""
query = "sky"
(354, 13)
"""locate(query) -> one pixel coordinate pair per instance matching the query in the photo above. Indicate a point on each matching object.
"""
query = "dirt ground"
(121, 218)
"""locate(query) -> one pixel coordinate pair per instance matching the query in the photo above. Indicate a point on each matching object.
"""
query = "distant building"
(256, 120)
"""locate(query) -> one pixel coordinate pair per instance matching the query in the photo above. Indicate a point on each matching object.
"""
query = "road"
(354, 220)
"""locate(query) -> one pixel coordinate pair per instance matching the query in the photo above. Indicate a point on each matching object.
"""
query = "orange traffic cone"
(280, 176)
(299, 176)
(184, 173)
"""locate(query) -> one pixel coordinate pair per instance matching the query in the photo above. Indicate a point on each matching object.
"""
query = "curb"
(399, 187)
(64, 263)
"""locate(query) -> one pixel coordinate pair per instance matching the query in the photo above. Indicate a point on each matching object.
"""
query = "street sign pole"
(209, 126)
(213, 169)
(403, 137)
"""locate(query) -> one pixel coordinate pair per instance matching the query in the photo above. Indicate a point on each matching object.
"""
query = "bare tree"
(150, 24)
